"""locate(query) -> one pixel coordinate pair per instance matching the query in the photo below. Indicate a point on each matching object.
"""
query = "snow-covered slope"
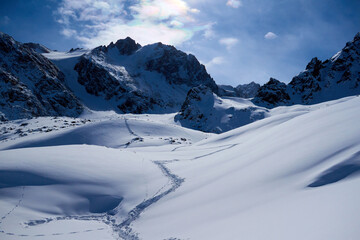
(289, 176)
(109, 130)
(31, 85)
(292, 175)
(321, 81)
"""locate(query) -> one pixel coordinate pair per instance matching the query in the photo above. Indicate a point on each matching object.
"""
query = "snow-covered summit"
(154, 78)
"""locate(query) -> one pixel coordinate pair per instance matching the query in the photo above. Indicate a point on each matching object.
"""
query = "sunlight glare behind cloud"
(147, 21)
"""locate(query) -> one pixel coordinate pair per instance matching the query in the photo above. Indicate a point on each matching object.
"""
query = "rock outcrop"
(205, 111)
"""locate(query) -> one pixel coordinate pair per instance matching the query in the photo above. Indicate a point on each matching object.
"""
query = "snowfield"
(292, 175)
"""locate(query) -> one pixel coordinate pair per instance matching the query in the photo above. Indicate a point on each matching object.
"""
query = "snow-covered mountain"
(129, 78)
(31, 85)
(134, 79)
(123, 76)
(321, 81)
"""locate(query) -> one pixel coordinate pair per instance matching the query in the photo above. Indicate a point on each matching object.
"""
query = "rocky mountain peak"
(7, 43)
(357, 38)
(37, 47)
(125, 46)
(314, 66)
(273, 92)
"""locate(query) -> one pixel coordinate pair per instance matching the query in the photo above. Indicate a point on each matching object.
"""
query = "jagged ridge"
(321, 81)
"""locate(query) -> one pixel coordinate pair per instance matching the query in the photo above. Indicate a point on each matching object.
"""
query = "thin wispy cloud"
(147, 21)
(270, 36)
(228, 42)
(234, 3)
(215, 61)
(68, 32)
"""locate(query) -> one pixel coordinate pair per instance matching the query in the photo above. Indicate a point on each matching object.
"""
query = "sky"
(238, 41)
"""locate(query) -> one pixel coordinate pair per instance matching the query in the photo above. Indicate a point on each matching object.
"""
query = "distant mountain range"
(321, 81)
(129, 78)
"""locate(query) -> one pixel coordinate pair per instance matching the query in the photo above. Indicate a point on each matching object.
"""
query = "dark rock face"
(197, 94)
(37, 47)
(321, 81)
(17, 101)
(273, 92)
(31, 85)
(248, 90)
(99, 82)
(192, 113)
(126, 46)
(227, 91)
(154, 78)
(180, 68)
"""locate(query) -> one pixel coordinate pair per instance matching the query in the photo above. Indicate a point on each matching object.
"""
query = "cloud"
(228, 42)
(215, 61)
(67, 32)
(270, 36)
(234, 3)
(209, 31)
(99, 22)
(5, 20)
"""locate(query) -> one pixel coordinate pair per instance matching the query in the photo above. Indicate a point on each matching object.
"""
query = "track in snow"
(136, 138)
(13, 209)
(123, 229)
